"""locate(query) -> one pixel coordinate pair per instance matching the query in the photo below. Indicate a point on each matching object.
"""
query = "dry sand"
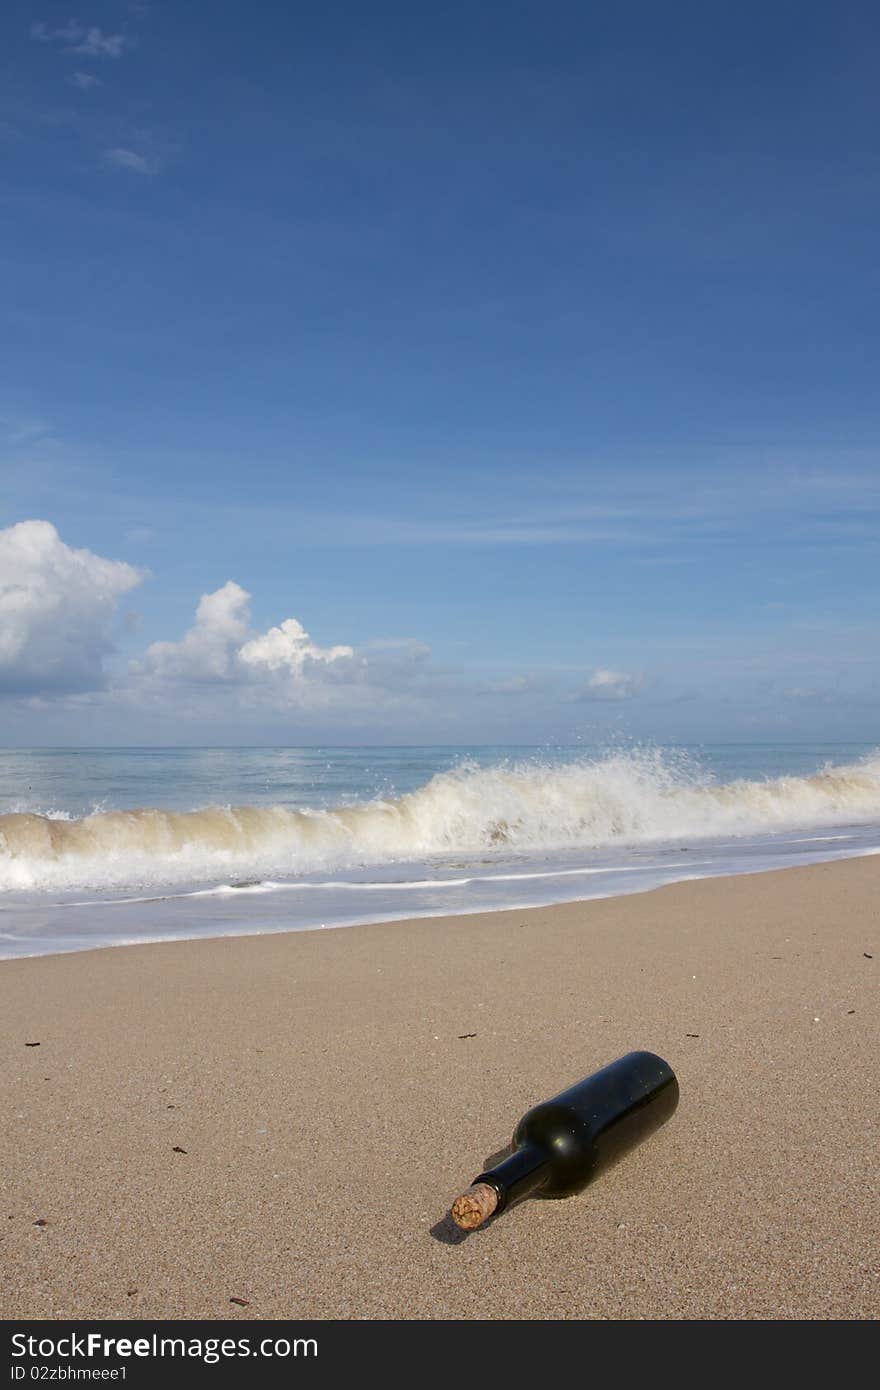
(330, 1110)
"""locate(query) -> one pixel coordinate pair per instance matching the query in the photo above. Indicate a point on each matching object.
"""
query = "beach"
(285, 1119)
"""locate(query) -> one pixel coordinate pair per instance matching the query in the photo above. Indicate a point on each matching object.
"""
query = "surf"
(636, 797)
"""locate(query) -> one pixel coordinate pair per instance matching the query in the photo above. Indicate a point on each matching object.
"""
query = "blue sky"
(526, 355)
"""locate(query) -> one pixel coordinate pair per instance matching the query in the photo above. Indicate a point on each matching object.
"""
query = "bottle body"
(562, 1144)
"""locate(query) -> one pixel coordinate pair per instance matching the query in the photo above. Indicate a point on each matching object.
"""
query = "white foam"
(625, 799)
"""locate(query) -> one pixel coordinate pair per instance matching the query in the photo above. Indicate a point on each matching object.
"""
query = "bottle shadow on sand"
(561, 1145)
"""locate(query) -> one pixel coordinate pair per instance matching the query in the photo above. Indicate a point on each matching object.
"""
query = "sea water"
(103, 847)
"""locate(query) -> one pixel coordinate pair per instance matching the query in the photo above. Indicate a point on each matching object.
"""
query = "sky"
(393, 373)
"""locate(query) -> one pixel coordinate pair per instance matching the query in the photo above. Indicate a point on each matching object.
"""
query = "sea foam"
(625, 798)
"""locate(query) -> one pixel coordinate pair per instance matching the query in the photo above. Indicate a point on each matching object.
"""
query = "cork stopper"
(475, 1206)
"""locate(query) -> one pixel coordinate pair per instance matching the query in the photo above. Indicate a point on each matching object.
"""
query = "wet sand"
(329, 1102)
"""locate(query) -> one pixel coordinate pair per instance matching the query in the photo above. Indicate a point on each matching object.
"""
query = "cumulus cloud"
(224, 669)
(57, 607)
(59, 611)
(83, 81)
(207, 653)
(221, 649)
(610, 685)
(288, 647)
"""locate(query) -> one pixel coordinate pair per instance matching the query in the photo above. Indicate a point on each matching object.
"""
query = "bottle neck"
(515, 1177)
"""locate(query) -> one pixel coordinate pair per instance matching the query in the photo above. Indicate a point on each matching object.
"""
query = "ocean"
(107, 846)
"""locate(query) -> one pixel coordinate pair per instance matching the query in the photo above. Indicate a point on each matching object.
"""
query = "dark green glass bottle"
(563, 1144)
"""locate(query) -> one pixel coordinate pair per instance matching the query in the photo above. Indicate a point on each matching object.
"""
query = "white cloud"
(610, 685)
(57, 607)
(97, 44)
(514, 685)
(89, 40)
(220, 648)
(71, 32)
(208, 652)
(22, 430)
(398, 664)
(83, 81)
(812, 695)
(223, 669)
(288, 647)
(128, 159)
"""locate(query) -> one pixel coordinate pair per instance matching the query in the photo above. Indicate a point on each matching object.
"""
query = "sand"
(329, 1109)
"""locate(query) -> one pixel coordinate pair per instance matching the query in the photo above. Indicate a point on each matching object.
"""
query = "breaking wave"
(638, 797)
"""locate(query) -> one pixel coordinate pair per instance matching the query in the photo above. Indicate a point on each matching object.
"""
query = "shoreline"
(826, 857)
(311, 1077)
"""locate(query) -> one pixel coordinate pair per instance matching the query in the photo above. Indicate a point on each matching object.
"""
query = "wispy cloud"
(611, 685)
(88, 40)
(71, 32)
(17, 430)
(664, 514)
(97, 44)
(83, 81)
(530, 684)
(371, 530)
(813, 696)
(128, 159)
